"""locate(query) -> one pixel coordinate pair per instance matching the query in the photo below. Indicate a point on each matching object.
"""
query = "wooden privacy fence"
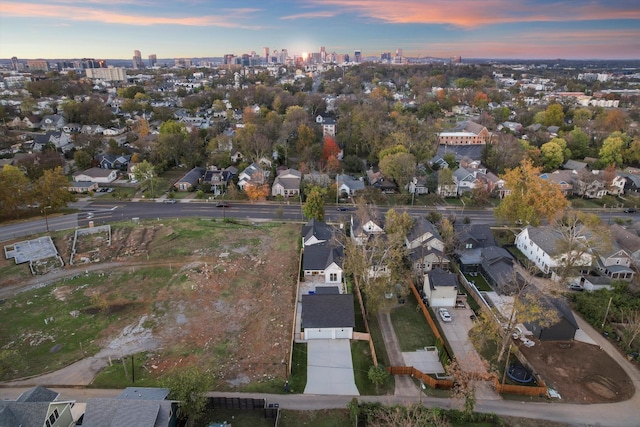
(535, 391)
(427, 379)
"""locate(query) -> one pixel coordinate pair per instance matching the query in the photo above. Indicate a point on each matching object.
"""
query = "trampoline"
(519, 374)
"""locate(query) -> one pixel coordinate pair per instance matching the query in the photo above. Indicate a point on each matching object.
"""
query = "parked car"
(527, 342)
(630, 210)
(576, 287)
(170, 201)
(444, 314)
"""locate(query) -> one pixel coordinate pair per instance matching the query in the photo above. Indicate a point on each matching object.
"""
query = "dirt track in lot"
(580, 372)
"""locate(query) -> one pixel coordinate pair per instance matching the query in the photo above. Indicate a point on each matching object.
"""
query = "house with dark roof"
(315, 232)
(328, 316)
(425, 247)
(135, 406)
(190, 180)
(323, 260)
(628, 240)
(253, 174)
(37, 407)
(219, 179)
(496, 266)
(564, 329)
(113, 161)
(441, 288)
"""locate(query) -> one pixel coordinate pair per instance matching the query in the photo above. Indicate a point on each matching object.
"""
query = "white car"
(444, 314)
(527, 342)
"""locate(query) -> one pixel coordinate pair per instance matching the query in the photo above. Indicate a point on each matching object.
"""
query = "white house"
(541, 246)
(328, 316)
(440, 288)
(98, 175)
(348, 185)
(323, 260)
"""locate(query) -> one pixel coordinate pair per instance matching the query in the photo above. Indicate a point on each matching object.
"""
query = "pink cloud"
(472, 13)
(77, 13)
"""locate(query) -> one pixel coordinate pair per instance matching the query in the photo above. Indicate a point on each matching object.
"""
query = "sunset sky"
(536, 29)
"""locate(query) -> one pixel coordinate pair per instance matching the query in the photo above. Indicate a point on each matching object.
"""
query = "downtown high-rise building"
(137, 60)
(153, 60)
(266, 54)
(357, 56)
(323, 54)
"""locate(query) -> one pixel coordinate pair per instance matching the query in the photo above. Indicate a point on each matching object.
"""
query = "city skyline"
(501, 29)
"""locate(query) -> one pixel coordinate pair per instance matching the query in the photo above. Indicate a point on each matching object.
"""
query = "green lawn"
(321, 418)
(480, 282)
(362, 361)
(235, 418)
(298, 378)
(411, 328)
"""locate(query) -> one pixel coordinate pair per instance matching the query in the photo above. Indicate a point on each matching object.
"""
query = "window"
(469, 246)
(333, 277)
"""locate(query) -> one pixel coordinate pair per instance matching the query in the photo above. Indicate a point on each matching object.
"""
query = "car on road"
(630, 210)
(170, 201)
(223, 205)
(342, 208)
(444, 314)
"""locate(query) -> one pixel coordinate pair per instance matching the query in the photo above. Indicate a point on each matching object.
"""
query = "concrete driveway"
(329, 368)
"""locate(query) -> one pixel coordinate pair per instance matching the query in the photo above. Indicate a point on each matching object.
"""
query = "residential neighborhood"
(348, 250)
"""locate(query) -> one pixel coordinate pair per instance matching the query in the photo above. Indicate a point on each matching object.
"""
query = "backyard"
(215, 294)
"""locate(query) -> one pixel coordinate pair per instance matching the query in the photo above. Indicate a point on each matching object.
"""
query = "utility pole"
(46, 219)
(606, 313)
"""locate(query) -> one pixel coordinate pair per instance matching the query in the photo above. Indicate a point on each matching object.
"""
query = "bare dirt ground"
(580, 372)
(221, 297)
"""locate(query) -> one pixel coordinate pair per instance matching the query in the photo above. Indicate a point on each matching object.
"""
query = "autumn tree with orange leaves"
(256, 192)
(531, 199)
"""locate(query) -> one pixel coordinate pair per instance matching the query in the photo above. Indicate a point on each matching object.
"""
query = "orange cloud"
(77, 13)
(472, 13)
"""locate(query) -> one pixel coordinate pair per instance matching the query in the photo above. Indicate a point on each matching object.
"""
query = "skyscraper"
(357, 56)
(266, 55)
(153, 60)
(323, 54)
(15, 65)
(137, 60)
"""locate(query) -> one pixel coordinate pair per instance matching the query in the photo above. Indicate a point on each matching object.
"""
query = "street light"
(46, 220)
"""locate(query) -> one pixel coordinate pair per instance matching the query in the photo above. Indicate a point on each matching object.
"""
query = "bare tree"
(630, 325)
(413, 416)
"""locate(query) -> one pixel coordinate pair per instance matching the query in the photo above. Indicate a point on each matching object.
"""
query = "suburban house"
(564, 329)
(287, 183)
(440, 288)
(465, 180)
(32, 122)
(328, 125)
(83, 187)
(425, 247)
(97, 175)
(614, 263)
(135, 406)
(53, 122)
(418, 185)
(629, 241)
(362, 229)
(496, 266)
(466, 133)
(253, 174)
(315, 232)
(328, 316)
(218, 179)
(447, 189)
(377, 180)
(59, 139)
(439, 162)
(632, 180)
(493, 184)
(38, 407)
(317, 178)
(541, 246)
(190, 180)
(348, 185)
(563, 179)
(323, 260)
(112, 161)
(590, 184)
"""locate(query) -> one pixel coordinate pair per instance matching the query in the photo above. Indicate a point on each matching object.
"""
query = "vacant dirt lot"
(209, 293)
(582, 373)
